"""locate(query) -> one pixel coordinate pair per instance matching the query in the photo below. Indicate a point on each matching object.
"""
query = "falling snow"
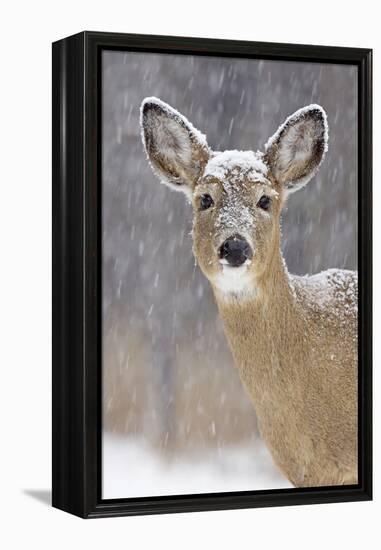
(176, 417)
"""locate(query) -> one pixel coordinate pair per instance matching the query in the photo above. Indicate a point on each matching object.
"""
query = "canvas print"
(229, 274)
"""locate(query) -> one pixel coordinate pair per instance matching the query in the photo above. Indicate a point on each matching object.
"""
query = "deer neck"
(264, 328)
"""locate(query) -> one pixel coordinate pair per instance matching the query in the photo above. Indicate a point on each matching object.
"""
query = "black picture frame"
(77, 274)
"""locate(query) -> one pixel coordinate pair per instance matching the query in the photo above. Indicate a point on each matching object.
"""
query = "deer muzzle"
(235, 251)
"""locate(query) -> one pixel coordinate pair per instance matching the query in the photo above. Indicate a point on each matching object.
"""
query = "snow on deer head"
(237, 196)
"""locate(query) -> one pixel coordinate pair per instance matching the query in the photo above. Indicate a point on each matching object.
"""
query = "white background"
(27, 30)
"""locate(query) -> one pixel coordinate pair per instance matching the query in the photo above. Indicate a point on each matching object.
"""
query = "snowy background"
(175, 416)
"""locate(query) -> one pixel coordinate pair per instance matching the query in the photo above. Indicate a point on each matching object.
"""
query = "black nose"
(235, 250)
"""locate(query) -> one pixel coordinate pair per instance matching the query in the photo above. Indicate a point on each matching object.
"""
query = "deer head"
(237, 196)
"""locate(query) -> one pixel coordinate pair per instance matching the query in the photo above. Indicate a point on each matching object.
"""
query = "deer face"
(237, 196)
(236, 218)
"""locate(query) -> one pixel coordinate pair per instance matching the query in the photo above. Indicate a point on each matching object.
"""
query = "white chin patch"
(234, 280)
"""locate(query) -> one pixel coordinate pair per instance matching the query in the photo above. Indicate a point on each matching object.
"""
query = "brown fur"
(293, 339)
(298, 362)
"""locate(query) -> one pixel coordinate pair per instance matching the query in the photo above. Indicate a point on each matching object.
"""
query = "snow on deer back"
(294, 339)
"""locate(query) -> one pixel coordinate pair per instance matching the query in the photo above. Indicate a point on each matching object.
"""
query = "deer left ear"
(176, 150)
(296, 150)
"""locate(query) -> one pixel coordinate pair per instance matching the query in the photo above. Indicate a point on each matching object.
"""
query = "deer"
(293, 338)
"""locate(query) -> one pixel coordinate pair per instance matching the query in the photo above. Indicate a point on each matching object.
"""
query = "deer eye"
(264, 202)
(206, 201)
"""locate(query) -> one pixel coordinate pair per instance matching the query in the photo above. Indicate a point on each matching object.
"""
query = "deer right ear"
(295, 152)
(176, 151)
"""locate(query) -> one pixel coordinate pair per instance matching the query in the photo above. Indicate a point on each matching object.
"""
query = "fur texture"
(176, 151)
(295, 345)
(297, 149)
(293, 339)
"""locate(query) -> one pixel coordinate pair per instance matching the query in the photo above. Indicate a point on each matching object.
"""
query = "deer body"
(293, 339)
(302, 379)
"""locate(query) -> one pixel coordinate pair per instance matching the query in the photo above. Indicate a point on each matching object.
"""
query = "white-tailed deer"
(293, 339)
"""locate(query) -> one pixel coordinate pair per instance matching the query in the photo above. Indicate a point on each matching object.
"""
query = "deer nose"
(235, 250)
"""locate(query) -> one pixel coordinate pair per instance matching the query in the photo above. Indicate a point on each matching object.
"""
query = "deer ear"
(176, 151)
(296, 150)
